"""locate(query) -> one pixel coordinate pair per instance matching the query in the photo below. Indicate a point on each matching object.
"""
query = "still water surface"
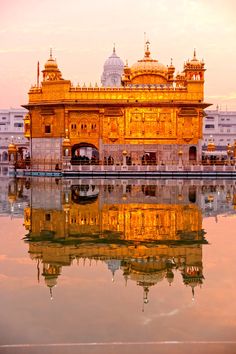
(117, 266)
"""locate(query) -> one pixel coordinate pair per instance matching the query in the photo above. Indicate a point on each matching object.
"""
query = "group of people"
(85, 160)
(217, 160)
(108, 160)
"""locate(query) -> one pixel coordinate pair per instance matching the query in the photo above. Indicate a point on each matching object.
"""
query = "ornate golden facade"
(154, 114)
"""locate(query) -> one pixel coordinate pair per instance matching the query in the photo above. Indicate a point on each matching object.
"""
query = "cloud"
(230, 96)
(18, 260)
(2, 257)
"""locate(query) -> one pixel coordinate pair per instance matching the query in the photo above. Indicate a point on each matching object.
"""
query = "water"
(117, 266)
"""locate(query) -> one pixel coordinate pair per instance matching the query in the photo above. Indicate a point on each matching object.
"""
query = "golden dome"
(195, 62)
(148, 66)
(12, 147)
(51, 71)
(51, 63)
(11, 198)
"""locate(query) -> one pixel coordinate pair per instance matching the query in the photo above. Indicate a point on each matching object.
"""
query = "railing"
(56, 164)
(41, 164)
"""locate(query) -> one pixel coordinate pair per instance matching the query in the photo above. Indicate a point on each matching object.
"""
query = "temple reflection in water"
(148, 230)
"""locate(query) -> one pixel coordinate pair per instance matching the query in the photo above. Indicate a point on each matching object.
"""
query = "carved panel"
(149, 123)
(85, 125)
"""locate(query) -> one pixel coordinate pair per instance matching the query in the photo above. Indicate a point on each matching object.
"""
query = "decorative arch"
(192, 153)
(84, 154)
(192, 194)
(84, 194)
(4, 156)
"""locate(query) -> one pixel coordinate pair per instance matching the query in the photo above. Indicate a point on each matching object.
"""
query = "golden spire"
(147, 50)
(114, 48)
(194, 54)
(50, 53)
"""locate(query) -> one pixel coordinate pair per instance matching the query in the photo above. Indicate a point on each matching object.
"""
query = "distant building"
(112, 71)
(11, 130)
(219, 127)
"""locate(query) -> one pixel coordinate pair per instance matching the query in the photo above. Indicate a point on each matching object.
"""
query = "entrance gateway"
(84, 153)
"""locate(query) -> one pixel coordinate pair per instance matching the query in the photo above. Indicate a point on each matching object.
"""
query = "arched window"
(192, 194)
(4, 156)
(192, 153)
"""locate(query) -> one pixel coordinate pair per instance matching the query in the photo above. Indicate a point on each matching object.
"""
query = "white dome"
(112, 71)
(113, 62)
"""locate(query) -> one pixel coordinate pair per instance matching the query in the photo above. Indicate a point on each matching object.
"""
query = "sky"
(81, 34)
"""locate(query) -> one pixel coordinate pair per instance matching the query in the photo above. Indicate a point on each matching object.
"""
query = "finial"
(126, 62)
(50, 53)
(171, 61)
(194, 53)
(147, 51)
(114, 48)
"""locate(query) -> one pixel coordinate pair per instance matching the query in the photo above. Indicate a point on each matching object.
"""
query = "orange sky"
(82, 33)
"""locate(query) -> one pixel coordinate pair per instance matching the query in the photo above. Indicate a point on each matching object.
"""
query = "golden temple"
(154, 117)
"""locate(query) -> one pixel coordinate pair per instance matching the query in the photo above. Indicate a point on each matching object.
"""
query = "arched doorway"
(84, 194)
(4, 156)
(192, 153)
(84, 154)
(192, 194)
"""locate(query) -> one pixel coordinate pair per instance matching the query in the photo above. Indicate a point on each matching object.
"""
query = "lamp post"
(234, 150)
(211, 145)
(229, 152)
(180, 154)
(124, 153)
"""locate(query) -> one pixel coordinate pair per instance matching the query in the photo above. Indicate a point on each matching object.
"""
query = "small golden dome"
(195, 62)
(51, 71)
(12, 147)
(51, 63)
(11, 198)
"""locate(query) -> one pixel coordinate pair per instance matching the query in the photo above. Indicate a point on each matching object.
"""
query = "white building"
(219, 126)
(11, 130)
(112, 71)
